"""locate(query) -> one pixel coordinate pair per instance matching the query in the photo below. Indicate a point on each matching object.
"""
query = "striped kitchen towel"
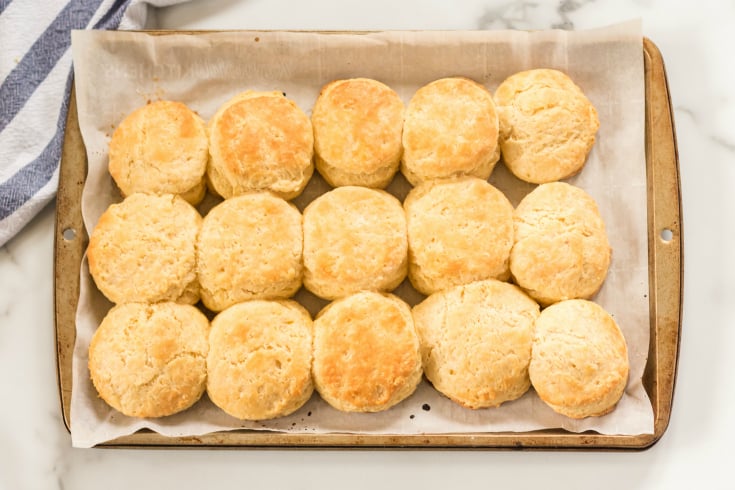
(36, 76)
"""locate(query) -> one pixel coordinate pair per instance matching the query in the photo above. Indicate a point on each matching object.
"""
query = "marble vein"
(565, 8)
(11, 276)
(522, 14)
(511, 15)
(7, 254)
(721, 142)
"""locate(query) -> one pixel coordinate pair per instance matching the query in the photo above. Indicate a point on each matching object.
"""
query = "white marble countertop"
(696, 41)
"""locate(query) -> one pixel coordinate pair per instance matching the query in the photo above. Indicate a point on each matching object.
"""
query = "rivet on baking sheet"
(667, 235)
(69, 234)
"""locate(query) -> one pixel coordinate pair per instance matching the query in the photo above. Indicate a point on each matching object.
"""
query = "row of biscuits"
(152, 248)
(480, 344)
(358, 134)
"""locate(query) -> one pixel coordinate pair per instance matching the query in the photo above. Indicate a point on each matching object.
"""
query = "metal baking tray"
(665, 299)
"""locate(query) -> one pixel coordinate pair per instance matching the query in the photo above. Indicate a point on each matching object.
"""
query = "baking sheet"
(117, 72)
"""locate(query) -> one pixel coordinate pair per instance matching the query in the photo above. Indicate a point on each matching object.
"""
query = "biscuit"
(547, 125)
(160, 148)
(561, 250)
(451, 129)
(144, 250)
(357, 133)
(579, 360)
(260, 141)
(259, 362)
(366, 352)
(476, 342)
(354, 240)
(149, 360)
(250, 247)
(459, 231)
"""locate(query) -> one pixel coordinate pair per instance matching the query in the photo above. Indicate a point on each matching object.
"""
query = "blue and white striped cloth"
(36, 76)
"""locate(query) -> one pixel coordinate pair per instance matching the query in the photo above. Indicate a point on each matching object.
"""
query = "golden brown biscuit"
(357, 132)
(160, 148)
(561, 249)
(547, 125)
(149, 360)
(260, 141)
(459, 231)
(366, 352)
(451, 129)
(354, 240)
(579, 361)
(144, 250)
(249, 248)
(476, 342)
(259, 362)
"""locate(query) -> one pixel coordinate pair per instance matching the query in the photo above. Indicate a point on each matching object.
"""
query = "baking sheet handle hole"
(666, 235)
(69, 234)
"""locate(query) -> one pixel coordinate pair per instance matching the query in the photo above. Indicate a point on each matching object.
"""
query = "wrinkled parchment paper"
(116, 72)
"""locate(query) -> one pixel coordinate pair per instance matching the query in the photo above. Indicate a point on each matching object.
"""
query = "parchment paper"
(116, 72)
